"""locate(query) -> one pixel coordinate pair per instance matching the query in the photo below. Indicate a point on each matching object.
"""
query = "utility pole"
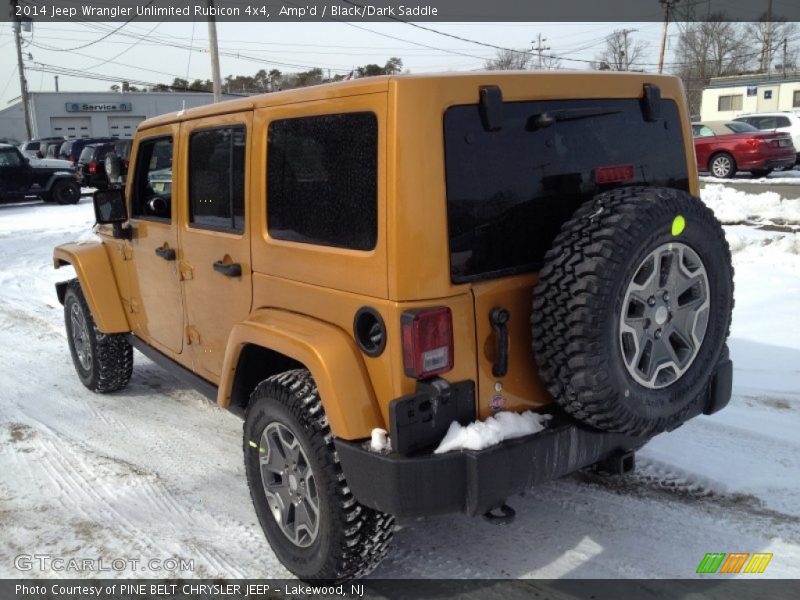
(214, 51)
(767, 54)
(23, 85)
(56, 78)
(540, 47)
(785, 56)
(667, 4)
(624, 52)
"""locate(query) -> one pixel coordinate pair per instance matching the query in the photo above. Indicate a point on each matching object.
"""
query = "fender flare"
(326, 351)
(57, 176)
(93, 268)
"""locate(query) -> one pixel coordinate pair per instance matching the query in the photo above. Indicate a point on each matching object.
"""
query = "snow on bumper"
(476, 481)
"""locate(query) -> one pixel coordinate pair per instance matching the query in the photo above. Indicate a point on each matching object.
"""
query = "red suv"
(723, 148)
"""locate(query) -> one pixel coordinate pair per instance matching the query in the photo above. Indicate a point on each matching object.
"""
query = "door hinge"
(192, 335)
(187, 271)
(125, 251)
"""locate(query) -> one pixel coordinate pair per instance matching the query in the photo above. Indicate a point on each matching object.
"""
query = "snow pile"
(482, 434)
(733, 207)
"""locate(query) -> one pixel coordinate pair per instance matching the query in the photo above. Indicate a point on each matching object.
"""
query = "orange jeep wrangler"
(403, 253)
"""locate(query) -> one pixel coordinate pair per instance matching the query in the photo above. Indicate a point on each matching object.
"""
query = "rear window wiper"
(546, 119)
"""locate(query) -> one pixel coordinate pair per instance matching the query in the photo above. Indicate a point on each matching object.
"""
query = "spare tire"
(632, 309)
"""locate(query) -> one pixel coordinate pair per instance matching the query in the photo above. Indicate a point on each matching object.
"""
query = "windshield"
(509, 191)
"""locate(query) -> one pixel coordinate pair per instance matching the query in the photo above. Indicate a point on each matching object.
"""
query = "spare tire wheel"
(632, 309)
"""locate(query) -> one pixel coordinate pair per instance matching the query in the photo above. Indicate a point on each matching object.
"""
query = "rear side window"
(509, 191)
(216, 179)
(86, 154)
(782, 122)
(152, 192)
(322, 180)
(9, 158)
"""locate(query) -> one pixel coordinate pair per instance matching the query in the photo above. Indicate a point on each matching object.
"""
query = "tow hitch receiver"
(619, 463)
(506, 516)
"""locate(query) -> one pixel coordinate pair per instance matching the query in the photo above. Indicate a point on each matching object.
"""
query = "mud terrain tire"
(104, 361)
(578, 323)
(350, 540)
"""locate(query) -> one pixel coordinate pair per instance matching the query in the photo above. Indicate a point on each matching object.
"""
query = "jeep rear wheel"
(104, 361)
(315, 526)
(65, 192)
(632, 309)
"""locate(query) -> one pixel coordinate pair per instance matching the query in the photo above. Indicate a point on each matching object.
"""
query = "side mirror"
(109, 207)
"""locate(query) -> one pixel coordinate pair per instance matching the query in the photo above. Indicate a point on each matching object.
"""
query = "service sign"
(99, 106)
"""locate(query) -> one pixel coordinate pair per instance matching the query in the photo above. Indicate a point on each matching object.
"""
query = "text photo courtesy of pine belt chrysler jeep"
(402, 253)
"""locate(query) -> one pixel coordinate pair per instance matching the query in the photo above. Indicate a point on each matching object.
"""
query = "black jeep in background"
(51, 180)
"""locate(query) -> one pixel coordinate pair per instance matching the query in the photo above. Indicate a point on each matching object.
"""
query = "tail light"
(613, 174)
(774, 144)
(427, 341)
(92, 167)
(71, 158)
(753, 143)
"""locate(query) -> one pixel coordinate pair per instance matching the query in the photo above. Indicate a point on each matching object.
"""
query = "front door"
(215, 239)
(155, 301)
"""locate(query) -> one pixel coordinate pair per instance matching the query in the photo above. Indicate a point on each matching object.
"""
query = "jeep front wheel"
(315, 526)
(632, 309)
(104, 361)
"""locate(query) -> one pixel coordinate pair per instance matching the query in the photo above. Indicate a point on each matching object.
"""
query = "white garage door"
(71, 127)
(123, 127)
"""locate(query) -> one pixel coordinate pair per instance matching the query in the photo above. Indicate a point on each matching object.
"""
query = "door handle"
(498, 317)
(228, 269)
(165, 253)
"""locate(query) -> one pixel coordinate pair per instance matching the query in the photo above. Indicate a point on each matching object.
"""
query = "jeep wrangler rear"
(405, 253)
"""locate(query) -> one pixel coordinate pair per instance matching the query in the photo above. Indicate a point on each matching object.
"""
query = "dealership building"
(94, 114)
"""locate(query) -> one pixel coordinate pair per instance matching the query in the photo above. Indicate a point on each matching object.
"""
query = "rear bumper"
(767, 162)
(474, 482)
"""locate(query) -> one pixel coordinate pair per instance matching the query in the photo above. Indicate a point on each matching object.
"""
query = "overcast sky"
(159, 52)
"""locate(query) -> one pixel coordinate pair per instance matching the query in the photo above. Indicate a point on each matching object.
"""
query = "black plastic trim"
(474, 482)
(421, 419)
(721, 388)
(358, 332)
(208, 389)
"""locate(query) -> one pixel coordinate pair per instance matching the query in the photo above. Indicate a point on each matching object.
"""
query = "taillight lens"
(613, 174)
(427, 341)
(92, 167)
(775, 144)
(753, 143)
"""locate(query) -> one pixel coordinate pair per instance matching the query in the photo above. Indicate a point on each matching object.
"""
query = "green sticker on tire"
(678, 225)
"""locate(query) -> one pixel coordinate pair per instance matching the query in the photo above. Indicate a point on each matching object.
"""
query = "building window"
(730, 102)
(767, 94)
(796, 99)
(322, 174)
(216, 179)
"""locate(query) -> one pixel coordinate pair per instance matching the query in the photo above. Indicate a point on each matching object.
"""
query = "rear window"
(509, 191)
(86, 154)
(737, 127)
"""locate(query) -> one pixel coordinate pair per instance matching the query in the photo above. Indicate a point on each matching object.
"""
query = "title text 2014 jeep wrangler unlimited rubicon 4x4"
(403, 253)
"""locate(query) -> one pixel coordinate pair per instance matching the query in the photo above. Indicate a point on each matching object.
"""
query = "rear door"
(508, 192)
(215, 241)
(156, 302)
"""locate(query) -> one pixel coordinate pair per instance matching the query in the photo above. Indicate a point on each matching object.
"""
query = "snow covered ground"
(156, 472)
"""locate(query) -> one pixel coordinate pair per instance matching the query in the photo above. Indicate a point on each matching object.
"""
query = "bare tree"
(621, 52)
(509, 60)
(769, 38)
(710, 49)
